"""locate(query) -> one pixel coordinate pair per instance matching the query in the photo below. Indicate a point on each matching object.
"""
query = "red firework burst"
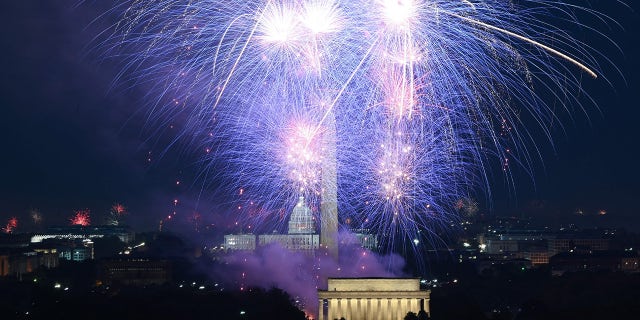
(81, 218)
(12, 224)
(118, 209)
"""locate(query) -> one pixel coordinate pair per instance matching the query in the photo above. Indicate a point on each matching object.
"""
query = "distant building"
(301, 234)
(372, 298)
(537, 257)
(366, 239)
(496, 246)
(301, 220)
(594, 261)
(73, 249)
(240, 241)
(564, 243)
(90, 232)
(20, 262)
(294, 242)
(539, 244)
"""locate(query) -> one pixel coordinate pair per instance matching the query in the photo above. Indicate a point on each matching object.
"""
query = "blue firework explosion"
(417, 97)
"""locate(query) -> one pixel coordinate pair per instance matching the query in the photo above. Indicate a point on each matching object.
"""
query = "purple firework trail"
(424, 95)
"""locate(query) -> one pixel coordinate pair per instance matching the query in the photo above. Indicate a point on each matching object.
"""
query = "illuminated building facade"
(301, 235)
(240, 242)
(537, 257)
(80, 232)
(301, 220)
(372, 298)
(295, 242)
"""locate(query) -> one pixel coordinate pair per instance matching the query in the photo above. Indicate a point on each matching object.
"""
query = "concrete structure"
(372, 298)
(329, 199)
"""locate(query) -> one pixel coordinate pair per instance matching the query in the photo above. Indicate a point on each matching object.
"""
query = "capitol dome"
(301, 220)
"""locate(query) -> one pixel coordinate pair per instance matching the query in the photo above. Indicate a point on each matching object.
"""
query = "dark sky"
(70, 141)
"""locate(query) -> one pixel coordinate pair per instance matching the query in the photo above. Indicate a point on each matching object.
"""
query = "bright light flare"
(321, 16)
(399, 13)
(278, 24)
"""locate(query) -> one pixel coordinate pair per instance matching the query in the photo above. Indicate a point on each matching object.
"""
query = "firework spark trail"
(423, 94)
(536, 43)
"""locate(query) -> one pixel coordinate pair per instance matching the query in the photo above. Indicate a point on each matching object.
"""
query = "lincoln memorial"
(372, 298)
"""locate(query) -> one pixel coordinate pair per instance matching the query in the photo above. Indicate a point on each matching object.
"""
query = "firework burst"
(416, 91)
(36, 216)
(81, 218)
(116, 214)
(11, 226)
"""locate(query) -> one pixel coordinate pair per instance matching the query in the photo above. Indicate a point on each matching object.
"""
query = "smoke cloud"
(300, 274)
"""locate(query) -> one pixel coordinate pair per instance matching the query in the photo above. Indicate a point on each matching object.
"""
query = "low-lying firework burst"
(467, 207)
(36, 216)
(116, 214)
(81, 218)
(417, 92)
(11, 226)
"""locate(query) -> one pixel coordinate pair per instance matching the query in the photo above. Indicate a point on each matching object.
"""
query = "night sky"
(71, 139)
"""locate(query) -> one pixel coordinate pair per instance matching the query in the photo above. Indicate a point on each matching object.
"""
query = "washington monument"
(329, 198)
